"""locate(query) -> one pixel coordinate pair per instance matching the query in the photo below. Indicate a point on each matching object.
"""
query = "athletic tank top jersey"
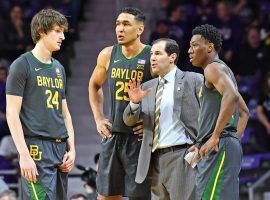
(120, 71)
(42, 87)
(210, 102)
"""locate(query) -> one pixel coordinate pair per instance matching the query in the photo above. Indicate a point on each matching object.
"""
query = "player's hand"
(102, 127)
(136, 94)
(194, 149)
(68, 161)
(212, 142)
(28, 168)
(138, 129)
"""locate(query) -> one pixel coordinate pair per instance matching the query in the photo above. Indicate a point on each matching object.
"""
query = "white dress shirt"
(171, 131)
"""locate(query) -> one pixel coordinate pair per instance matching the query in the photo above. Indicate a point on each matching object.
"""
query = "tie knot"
(162, 81)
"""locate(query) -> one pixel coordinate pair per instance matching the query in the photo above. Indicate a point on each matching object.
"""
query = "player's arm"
(69, 157)
(243, 117)
(27, 165)
(96, 97)
(216, 75)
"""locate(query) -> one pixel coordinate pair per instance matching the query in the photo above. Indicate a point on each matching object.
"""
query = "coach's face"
(128, 29)
(161, 62)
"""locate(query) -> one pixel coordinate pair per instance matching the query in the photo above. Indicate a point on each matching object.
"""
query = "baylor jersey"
(42, 87)
(120, 71)
(210, 103)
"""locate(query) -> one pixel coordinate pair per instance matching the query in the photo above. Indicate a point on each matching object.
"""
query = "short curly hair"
(209, 33)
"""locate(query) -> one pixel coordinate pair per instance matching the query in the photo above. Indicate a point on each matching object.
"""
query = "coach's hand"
(135, 93)
(28, 168)
(212, 142)
(102, 127)
(138, 129)
(194, 160)
(68, 161)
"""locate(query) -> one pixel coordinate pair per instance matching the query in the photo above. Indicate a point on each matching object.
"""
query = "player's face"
(127, 28)
(198, 51)
(53, 39)
(160, 60)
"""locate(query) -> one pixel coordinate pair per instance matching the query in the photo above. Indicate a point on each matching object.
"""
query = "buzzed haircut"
(45, 20)
(171, 47)
(209, 33)
(137, 13)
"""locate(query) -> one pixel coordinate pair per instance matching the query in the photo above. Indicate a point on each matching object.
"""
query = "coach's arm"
(131, 117)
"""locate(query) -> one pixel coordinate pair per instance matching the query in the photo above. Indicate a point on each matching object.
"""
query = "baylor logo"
(34, 153)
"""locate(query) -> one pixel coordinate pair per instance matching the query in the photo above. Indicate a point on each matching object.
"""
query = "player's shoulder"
(107, 51)
(214, 67)
(147, 48)
(20, 62)
(57, 62)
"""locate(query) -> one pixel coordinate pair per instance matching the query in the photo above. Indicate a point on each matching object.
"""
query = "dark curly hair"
(209, 33)
(139, 16)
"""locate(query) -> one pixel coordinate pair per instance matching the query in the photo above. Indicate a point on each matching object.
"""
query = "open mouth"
(154, 65)
(120, 37)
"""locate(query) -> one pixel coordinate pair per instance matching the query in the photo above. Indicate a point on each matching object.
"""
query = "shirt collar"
(170, 76)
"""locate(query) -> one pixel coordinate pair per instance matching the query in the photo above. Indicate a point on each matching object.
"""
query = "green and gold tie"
(157, 113)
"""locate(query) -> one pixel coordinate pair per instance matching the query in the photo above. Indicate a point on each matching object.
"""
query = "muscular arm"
(216, 75)
(243, 117)
(96, 97)
(27, 165)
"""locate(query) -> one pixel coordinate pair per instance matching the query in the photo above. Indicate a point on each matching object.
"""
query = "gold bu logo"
(34, 153)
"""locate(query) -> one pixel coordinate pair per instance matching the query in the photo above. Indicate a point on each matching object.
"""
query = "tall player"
(222, 119)
(37, 112)
(129, 59)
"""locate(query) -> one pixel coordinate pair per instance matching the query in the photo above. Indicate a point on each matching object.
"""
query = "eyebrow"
(155, 51)
(123, 21)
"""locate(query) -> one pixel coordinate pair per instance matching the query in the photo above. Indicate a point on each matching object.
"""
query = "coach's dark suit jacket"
(186, 105)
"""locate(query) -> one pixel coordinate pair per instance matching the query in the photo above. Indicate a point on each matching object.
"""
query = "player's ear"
(41, 33)
(140, 29)
(210, 47)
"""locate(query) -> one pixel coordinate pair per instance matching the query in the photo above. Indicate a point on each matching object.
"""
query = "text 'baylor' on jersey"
(120, 71)
(42, 87)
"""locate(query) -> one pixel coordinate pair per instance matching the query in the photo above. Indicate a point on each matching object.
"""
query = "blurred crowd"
(15, 19)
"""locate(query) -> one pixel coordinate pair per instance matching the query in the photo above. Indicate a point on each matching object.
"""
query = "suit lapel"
(178, 91)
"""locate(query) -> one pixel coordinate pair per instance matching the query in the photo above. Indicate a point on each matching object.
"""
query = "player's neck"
(42, 53)
(209, 59)
(133, 49)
